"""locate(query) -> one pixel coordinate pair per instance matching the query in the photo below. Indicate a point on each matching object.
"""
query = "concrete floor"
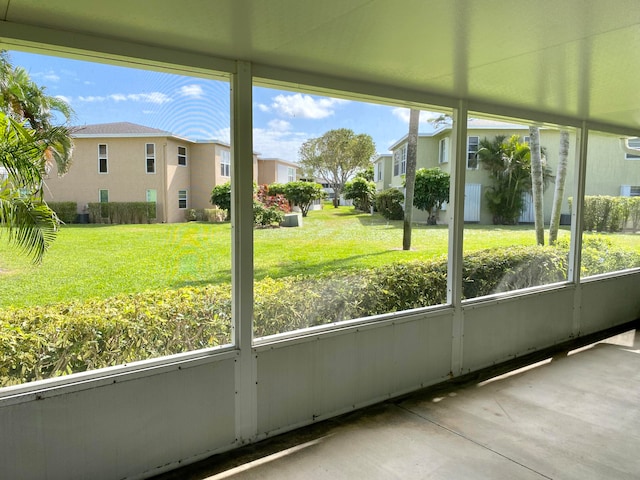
(576, 416)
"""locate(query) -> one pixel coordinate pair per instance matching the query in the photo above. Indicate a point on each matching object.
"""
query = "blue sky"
(198, 108)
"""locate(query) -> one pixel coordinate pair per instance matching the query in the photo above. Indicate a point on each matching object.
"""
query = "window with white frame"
(182, 199)
(630, 190)
(633, 143)
(225, 163)
(103, 166)
(182, 156)
(400, 161)
(378, 172)
(291, 174)
(103, 198)
(473, 144)
(150, 153)
(443, 150)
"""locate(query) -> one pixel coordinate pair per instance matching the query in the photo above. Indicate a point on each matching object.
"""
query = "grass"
(98, 261)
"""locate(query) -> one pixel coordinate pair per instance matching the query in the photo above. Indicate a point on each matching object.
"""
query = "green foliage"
(336, 156)
(508, 162)
(366, 173)
(121, 212)
(212, 215)
(431, 191)
(303, 194)
(389, 204)
(603, 213)
(264, 216)
(67, 212)
(221, 196)
(361, 191)
(47, 341)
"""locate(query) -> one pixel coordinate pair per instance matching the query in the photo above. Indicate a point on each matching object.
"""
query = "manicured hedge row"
(604, 213)
(67, 211)
(122, 212)
(43, 342)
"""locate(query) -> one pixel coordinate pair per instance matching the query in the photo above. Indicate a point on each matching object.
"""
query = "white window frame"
(378, 172)
(291, 174)
(148, 157)
(182, 156)
(104, 157)
(630, 190)
(633, 143)
(471, 154)
(400, 161)
(443, 150)
(185, 194)
(225, 163)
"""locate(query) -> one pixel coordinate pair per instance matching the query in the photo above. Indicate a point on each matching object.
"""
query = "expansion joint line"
(461, 435)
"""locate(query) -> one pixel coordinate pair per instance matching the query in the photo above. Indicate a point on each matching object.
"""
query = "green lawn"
(88, 261)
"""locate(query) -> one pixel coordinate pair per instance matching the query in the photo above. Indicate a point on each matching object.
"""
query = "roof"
(118, 129)
(472, 124)
(280, 160)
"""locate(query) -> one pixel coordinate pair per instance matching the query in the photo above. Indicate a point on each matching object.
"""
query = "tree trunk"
(558, 195)
(536, 183)
(410, 176)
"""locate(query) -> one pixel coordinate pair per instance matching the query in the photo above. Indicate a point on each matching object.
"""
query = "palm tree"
(410, 177)
(537, 183)
(30, 141)
(561, 175)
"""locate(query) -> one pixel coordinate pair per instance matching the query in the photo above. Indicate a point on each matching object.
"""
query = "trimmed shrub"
(266, 216)
(122, 212)
(43, 342)
(66, 211)
(603, 213)
(389, 204)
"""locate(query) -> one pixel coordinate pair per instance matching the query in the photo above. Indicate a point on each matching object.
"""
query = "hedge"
(48, 341)
(122, 212)
(389, 204)
(603, 213)
(67, 211)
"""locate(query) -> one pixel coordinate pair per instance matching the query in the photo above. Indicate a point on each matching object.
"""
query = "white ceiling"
(573, 58)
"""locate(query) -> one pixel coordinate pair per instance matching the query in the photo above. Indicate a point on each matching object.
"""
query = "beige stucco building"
(125, 162)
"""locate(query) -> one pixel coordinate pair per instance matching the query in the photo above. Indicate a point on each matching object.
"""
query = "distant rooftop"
(118, 129)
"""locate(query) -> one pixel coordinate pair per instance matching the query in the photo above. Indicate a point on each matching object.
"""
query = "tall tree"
(561, 175)
(410, 176)
(336, 156)
(31, 140)
(431, 191)
(537, 183)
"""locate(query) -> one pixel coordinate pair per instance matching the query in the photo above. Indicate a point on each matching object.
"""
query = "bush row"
(389, 204)
(122, 212)
(67, 211)
(604, 213)
(42, 342)
(212, 215)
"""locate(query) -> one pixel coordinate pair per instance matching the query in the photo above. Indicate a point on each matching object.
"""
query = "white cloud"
(64, 98)
(153, 97)
(279, 125)
(305, 106)
(193, 90)
(51, 76)
(272, 142)
(263, 108)
(91, 99)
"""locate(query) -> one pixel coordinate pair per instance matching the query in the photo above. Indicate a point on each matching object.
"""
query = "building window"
(103, 166)
(150, 151)
(443, 152)
(103, 196)
(400, 161)
(633, 143)
(526, 139)
(378, 172)
(630, 190)
(291, 174)
(472, 151)
(182, 156)
(182, 199)
(225, 163)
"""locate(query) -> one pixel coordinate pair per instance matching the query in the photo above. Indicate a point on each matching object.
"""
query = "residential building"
(619, 175)
(125, 162)
(276, 170)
